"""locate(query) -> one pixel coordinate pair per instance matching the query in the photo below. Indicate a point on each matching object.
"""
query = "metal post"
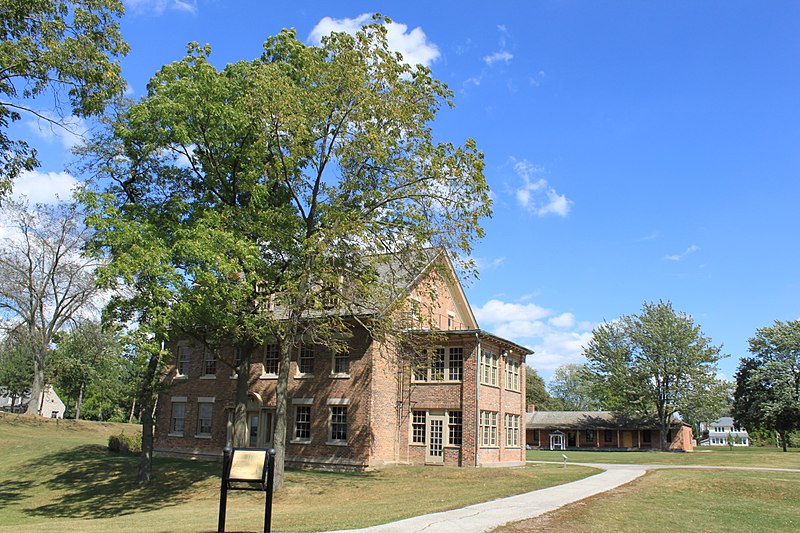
(223, 491)
(270, 490)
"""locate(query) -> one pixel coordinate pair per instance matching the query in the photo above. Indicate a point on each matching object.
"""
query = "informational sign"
(248, 465)
(253, 468)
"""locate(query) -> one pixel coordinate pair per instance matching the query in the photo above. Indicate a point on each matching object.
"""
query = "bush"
(122, 443)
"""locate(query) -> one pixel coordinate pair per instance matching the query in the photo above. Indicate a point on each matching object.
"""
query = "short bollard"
(247, 469)
(565, 459)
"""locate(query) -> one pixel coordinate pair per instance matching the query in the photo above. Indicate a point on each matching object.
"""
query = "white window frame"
(423, 425)
(447, 366)
(173, 401)
(201, 402)
(341, 355)
(513, 375)
(512, 430)
(338, 403)
(301, 350)
(268, 348)
(488, 429)
(304, 403)
(488, 368)
(180, 361)
(451, 424)
(209, 357)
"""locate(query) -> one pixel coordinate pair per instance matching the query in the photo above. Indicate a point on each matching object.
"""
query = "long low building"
(600, 430)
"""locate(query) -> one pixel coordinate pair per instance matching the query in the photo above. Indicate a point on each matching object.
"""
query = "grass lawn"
(683, 500)
(702, 456)
(58, 476)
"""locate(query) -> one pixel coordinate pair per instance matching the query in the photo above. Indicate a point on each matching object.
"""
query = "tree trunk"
(37, 388)
(145, 472)
(78, 403)
(281, 414)
(784, 444)
(240, 409)
(133, 409)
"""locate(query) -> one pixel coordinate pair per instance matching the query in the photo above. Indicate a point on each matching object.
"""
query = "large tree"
(45, 279)
(536, 392)
(654, 364)
(66, 50)
(282, 198)
(16, 365)
(767, 394)
(571, 384)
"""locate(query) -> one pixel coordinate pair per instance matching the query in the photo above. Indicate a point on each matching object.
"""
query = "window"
(512, 430)
(608, 436)
(646, 436)
(454, 428)
(590, 435)
(205, 411)
(418, 419)
(341, 363)
(53, 414)
(488, 428)
(455, 364)
(512, 375)
(178, 417)
(302, 423)
(442, 364)
(338, 423)
(209, 363)
(271, 359)
(488, 368)
(305, 359)
(184, 360)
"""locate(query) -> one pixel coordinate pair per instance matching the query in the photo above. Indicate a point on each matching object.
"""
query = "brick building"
(367, 406)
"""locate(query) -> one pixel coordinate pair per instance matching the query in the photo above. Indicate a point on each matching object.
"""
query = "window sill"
(438, 382)
(336, 442)
(268, 376)
(300, 441)
(417, 444)
(490, 385)
(304, 376)
(180, 377)
(208, 376)
(339, 376)
(513, 390)
(203, 436)
(174, 434)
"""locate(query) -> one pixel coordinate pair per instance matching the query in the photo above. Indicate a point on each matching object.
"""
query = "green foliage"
(66, 49)
(128, 444)
(572, 385)
(87, 368)
(536, 392)
(767, 394)
(16, 364)
(657, 363)
(293, 179)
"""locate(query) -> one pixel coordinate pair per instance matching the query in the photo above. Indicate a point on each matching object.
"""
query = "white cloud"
(564, 320)
(485, 263)
(69, 131)
(498, 312)
(536, 79)
(679, 257)
(413, 45)
(555, 338)
(44, 188)
(497, 57)
(158, 7)
(536, 195)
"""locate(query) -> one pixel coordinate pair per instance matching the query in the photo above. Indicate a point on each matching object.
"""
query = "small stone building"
(365, 407)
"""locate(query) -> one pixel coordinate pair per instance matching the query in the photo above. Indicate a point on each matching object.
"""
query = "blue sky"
(636, 151)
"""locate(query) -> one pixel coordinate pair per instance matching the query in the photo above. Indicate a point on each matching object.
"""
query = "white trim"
(178, 399)
(206, 399)
(338, 401)
(302, 401)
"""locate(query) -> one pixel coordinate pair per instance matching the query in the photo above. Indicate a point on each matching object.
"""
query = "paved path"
(489, 515)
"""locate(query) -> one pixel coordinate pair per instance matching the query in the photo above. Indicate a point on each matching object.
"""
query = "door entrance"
(572, 439)
(435, 439)
(627, 439)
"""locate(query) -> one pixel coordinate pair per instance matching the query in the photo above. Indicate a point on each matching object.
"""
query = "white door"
(435, 438)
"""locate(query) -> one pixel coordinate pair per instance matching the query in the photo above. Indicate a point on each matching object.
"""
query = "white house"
(50, 405)
(721, 430)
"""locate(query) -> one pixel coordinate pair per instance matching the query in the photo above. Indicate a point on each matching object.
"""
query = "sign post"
(247, 469)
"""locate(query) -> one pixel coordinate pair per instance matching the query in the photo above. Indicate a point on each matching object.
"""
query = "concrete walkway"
(489, 515)
(492, 514)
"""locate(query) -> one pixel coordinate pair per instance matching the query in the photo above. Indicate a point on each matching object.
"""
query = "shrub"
(122, 443)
